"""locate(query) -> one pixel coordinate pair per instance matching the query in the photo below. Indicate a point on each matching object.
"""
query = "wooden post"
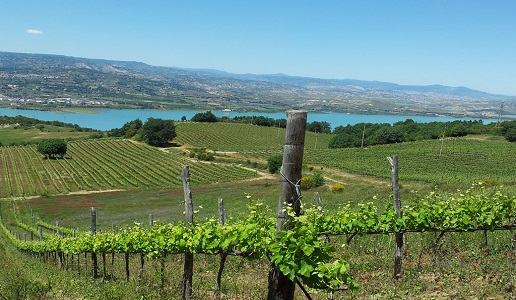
(40, 231)
(398, 256)
(318, 202)
(151, 220)
(93, 228)
(280, 287)
(186, 281)
(223, 255)
(58, 232)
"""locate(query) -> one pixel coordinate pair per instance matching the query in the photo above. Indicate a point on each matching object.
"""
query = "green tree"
(390, 136)
(158, 132)
(274, 163)
(510, 135)
(52, 148)
(208, 117)
(129, 129)
(319, 127)
(345, 140)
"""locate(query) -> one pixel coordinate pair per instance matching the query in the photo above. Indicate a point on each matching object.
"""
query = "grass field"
(9, 135)
(136, 180)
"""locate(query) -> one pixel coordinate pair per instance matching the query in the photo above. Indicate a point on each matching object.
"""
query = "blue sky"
(450, 42)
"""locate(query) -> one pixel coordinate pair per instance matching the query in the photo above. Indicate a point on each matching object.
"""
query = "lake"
(112, 118)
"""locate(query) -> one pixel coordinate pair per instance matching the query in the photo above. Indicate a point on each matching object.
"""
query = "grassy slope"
(10, 135)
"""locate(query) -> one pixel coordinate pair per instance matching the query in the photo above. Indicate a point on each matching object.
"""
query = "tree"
(274, 163)
(319, 127)
(208, 117)
(158, 132)
(390, 136)
(510, 135)
(52, 148)
(345, 140)
(129, 130)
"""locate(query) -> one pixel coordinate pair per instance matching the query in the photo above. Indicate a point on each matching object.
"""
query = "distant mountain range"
(41, 81)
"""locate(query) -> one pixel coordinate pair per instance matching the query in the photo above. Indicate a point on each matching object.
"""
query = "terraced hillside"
(101, 165)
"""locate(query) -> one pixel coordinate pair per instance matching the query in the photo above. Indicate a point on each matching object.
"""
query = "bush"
(307, 182)
(337, 188)
(202, 154)
(274, 163)
(510, 135)
(318, 179)
(96, 135)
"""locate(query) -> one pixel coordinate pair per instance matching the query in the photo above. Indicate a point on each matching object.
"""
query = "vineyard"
(456, 160)
(458, 244)
(222, 136)
(452, 161)
(318, 249)
(93, 165)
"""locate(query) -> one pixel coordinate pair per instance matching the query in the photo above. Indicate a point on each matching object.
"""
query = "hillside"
(40, 81)
(96, 165)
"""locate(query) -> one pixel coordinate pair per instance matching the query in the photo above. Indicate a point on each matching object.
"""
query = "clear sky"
(468, 43)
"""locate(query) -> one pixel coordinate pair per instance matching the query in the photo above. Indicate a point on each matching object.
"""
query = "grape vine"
(301, 251)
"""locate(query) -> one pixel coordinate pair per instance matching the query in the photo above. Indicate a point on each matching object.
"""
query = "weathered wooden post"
(280, 286)
(398, 256)
(186, 282)
(93, 227)
(223, 255)
(318, 202)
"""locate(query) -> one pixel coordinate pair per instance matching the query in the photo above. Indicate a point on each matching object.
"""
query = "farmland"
(138, 180)
(94, 165)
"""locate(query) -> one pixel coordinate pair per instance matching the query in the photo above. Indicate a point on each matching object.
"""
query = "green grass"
(9, 135)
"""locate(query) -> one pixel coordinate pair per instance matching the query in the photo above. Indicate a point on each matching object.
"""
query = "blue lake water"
(112, 118)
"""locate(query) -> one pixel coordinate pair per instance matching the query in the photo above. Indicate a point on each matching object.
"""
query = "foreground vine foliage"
(300, 252)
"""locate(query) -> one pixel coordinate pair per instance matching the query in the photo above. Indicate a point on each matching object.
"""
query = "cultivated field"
(94, 165)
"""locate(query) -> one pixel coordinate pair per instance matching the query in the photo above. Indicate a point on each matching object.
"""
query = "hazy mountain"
(127, 84)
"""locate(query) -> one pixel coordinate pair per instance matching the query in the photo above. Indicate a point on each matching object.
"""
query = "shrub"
(337, 188)
(96, 135)
(510, 135)
(318, 179)
(306, 182)
(202, 154)
(274, 163)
